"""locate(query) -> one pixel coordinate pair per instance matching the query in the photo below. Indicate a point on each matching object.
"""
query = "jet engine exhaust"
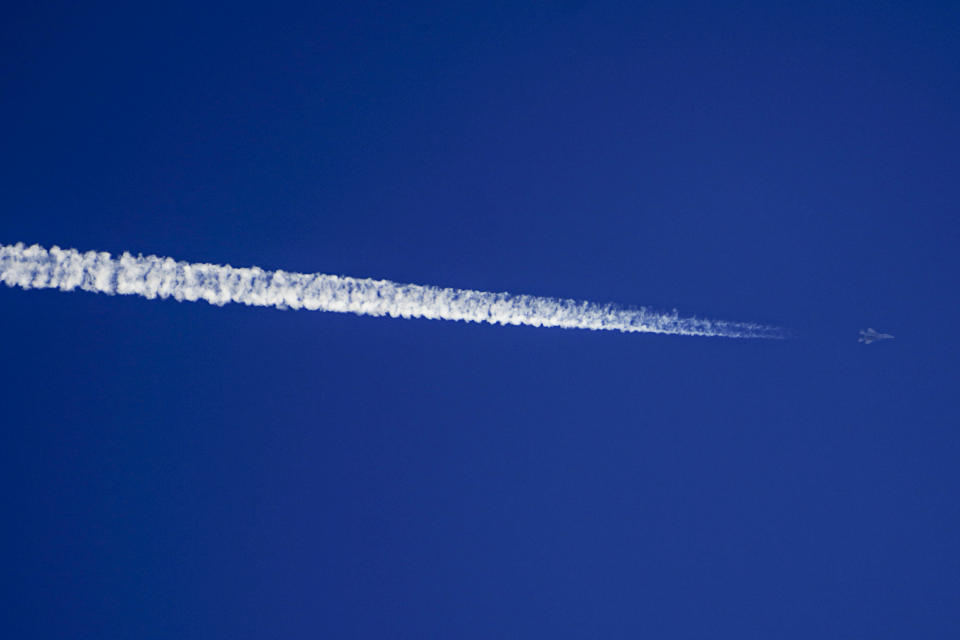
(152, 277)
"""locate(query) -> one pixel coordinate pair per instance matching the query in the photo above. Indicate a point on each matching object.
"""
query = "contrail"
(151, 277)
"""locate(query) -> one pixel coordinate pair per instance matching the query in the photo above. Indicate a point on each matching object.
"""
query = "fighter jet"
(871, 335)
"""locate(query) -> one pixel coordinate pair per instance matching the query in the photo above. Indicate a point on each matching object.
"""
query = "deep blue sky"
(183, 470)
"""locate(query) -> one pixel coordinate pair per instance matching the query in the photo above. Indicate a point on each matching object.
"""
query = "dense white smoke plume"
(152, 277)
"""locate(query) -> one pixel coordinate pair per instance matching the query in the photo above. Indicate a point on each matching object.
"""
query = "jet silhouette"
(871, 335)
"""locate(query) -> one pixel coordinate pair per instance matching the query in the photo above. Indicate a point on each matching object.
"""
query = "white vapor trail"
(152, 277)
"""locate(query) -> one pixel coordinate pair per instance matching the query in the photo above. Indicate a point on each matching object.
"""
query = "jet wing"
(871, 335)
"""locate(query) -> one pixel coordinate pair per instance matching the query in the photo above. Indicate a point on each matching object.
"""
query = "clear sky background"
(183, 470)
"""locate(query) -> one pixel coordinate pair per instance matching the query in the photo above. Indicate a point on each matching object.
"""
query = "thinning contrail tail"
(152, 277)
